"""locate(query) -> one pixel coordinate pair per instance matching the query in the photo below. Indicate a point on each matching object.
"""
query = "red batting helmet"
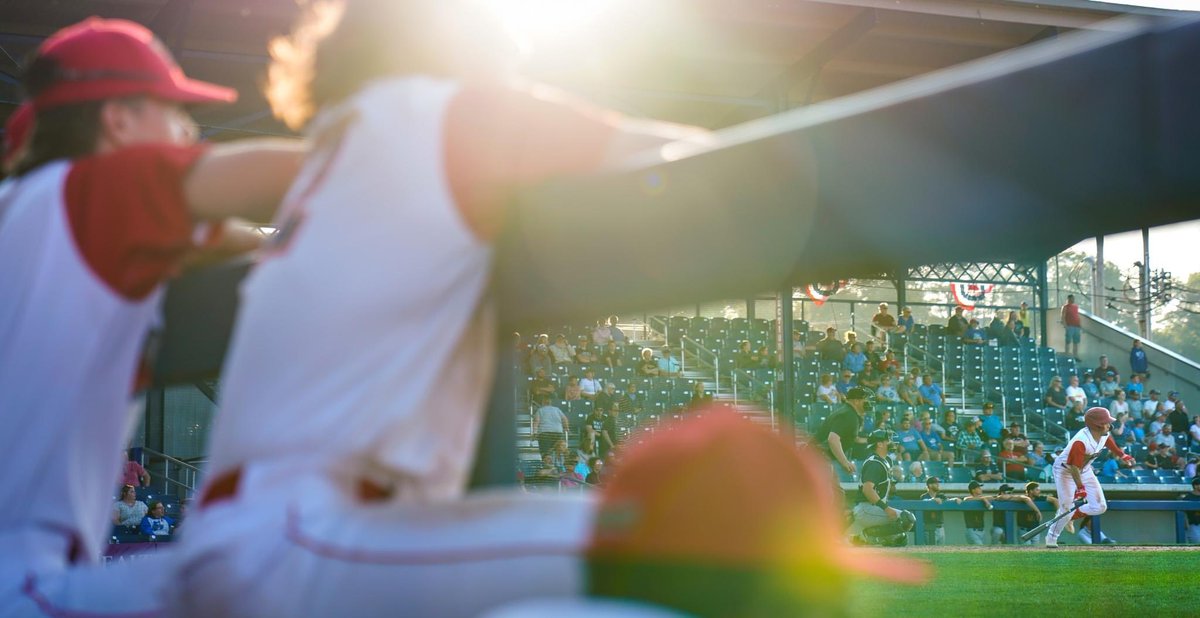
(1098, 416)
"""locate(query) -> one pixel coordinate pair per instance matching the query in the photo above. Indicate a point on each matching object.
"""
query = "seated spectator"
(1112, 467)
(846, 383)
(935, 448)
(128, 511)
(1055, 396)
(668, 366)
(888, 362)
(1074, 392)
(993, 426)
(156, 523)
(614, 330)
(602, 334)
(872, 352)
(1135, 404)
(829, 348)
(855, 360)
(908, 391)
(1151, 405)
(1165, 437)
(766, 360)
(799, 350)
(883, 420)
(1010, 335)
(1073, 418)
(548, 469)
(948, 430)
(1118, 405)
(1135, 385)
(699, 397)
(745, 357)
(589, 386)
(583, 352)
(869, 378)
(1194, 431)
(956, 326)
(827, 392)
(996, 328)
(573, 477)
(970, 442)
(1178, 418)
(595, 468)
(1139, 431)
(595, 430)
(1108, 388)
(1090, 388)
(1037, 455)
(648, 366)
(1014, 436)
(561, 352)
(572, 391)
(133, 473)
(909, 439)
(1139, 365)
(905, 323)
(883, 321)
(1014, 462)
(539, 358)
(1161, 458)
(550, 424)
(631, 402)
(607, 397)
(559, 455)
(1160, 420)
(886, 392)
(986, 470)
(611, 356)
(930, 393)
(541, 385)
(916, 472)
(974, 335)
(851, 340)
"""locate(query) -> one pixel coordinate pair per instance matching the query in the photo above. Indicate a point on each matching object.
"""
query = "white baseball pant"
(310, 549)
(1096, 504)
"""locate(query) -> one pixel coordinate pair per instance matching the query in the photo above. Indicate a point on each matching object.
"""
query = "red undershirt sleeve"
(1112, 446)
(497, 139)
(1077, 455)
(129, 218)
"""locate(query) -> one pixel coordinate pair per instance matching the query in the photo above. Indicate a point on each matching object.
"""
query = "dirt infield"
(955, 549)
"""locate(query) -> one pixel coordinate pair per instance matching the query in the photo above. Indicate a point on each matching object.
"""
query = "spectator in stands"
(829, 348)
(1139, 365)
(1028, 520)
(1193, 517)
(1037, 456)
(883, 322)
(1161, 458)
(561, 352)
(883, 420)
(608, 396)
(1073, 418)
(766, 360)
(128, 511)
(916, 472)
(611, 429)
(905, 323)
(888, 363)
(602, 334)
(1194, 431)
(1151, 405)
(668, 366)
(992, 425)
(539, 358)
(1135, 384)
(133, 473)
(1090, 388)
(156, 523)
(1112, 467)
(594, 431)
(1024, 320)
(855, 361)
(1156, 426)
(1109, 388)
(1104, 370)
(851, 340)
(611, 356)
(614, 330)
(936, 448)
(974, 335)
(870, 377)
(911, 446)
(931, 393)
(1118, 405)
(648, 366)
(970, 441)
(1074, 328)
(1135, 404)
(1189, 469)
(1178, 417)
(935, 530)
(872, 352)
(560, 454)
(1075, 392)
(587, 446)
(1056, 396)
(745, 357)
(799, 350)
(1014, 463)
(996, 328)
(583, 352)
(550, 423)
(956, 326)
(1139, 431)
(973, 520)
(541, 385)
(948, 430)
(846, 383)
(595, 468)
(576, 471)
(886, 392)
(827, 392)
(908, 391)
(589, 386)
(986, 470)
(572, 391)
(548, 469)
(1016, 438)
(699, 397)
(1165, 436)
(1122, 427)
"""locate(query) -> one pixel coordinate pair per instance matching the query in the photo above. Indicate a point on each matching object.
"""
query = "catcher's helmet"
(879, 435)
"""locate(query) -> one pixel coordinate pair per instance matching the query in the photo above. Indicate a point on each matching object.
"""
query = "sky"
(1172, 248)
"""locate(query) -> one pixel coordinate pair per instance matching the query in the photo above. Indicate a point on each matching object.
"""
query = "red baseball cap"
(16, 132)
(1098, 415)
(107, 58)
(716, 489)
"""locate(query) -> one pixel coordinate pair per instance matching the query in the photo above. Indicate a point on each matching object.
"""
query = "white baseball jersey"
(364, 338)
(1084, 449)
(84, 248)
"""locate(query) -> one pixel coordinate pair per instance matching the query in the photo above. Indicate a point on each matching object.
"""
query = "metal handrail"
(191, 472)
(700, 352)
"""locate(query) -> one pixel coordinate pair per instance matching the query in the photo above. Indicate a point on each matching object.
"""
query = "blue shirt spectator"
(855, 360)
(667, 365)
(909, 439)
(1089, 387)
(992, 425)
(846, 383)
(905, 321)
(1135, 385)
(1138, 363)
(930, 392)
(931, 439)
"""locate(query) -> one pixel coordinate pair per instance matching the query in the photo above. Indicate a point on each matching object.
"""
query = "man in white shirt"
(1075, 393)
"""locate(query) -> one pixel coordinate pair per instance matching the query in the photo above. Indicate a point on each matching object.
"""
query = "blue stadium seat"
(960, 474)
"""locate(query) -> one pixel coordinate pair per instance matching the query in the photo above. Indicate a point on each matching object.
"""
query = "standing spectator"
(993, 426)
(668, 367)
(1024, 319)
(611, 356)
(912, 448)
(1056, 396)
(908, 391)
(156, 523)
(905, 323)
(970, 442)
(884, 322)
(1139, 365)
(648, 366)
(1193, 517)
(602, 334)
(561, 352)
(133, 474)
(827, 392)
(935, 531)
(956, 326)
(618, 336)
(931, 393)
(1118, 405)
(973, 520)
(887, 392)
(1072, 325)
(1075, 392)
(589, 386)
(550, 424)
(128, 511)
(996, 328)
(829, 348)
(974, 335)
(986, 470)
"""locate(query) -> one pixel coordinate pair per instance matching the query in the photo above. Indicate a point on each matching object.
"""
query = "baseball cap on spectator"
(16, 132)
(989, 405)
(1172, 394)
(931, 480)
(1005, 488)
(99, 59)
(1153, 391)
(691, 498)
(973, 485)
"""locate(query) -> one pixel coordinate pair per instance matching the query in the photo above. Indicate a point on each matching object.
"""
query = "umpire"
(839, 434)
(876, 523)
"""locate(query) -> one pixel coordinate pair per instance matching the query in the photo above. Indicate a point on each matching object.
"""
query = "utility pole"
(1098, 279)
(1145, 280)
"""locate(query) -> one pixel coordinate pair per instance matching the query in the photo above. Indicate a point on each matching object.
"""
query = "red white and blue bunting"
(820, 292)
(967, 295)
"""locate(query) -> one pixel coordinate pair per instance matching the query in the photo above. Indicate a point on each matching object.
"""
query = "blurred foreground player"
(1073, 473)
(363, 355)
(689, 525)
(110, 193)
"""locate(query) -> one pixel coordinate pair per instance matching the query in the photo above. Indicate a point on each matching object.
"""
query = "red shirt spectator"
(133, 474)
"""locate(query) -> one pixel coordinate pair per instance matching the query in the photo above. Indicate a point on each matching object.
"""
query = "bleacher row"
(121, 534)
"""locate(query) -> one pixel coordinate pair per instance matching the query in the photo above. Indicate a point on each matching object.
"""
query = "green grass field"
(1143, 581)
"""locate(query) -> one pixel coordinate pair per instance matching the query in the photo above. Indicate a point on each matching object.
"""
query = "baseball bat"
(1044, 526)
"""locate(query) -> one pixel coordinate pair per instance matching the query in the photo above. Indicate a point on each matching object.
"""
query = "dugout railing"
(1011, 509)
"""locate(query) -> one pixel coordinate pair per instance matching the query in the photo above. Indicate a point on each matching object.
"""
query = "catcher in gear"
(876, 523)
